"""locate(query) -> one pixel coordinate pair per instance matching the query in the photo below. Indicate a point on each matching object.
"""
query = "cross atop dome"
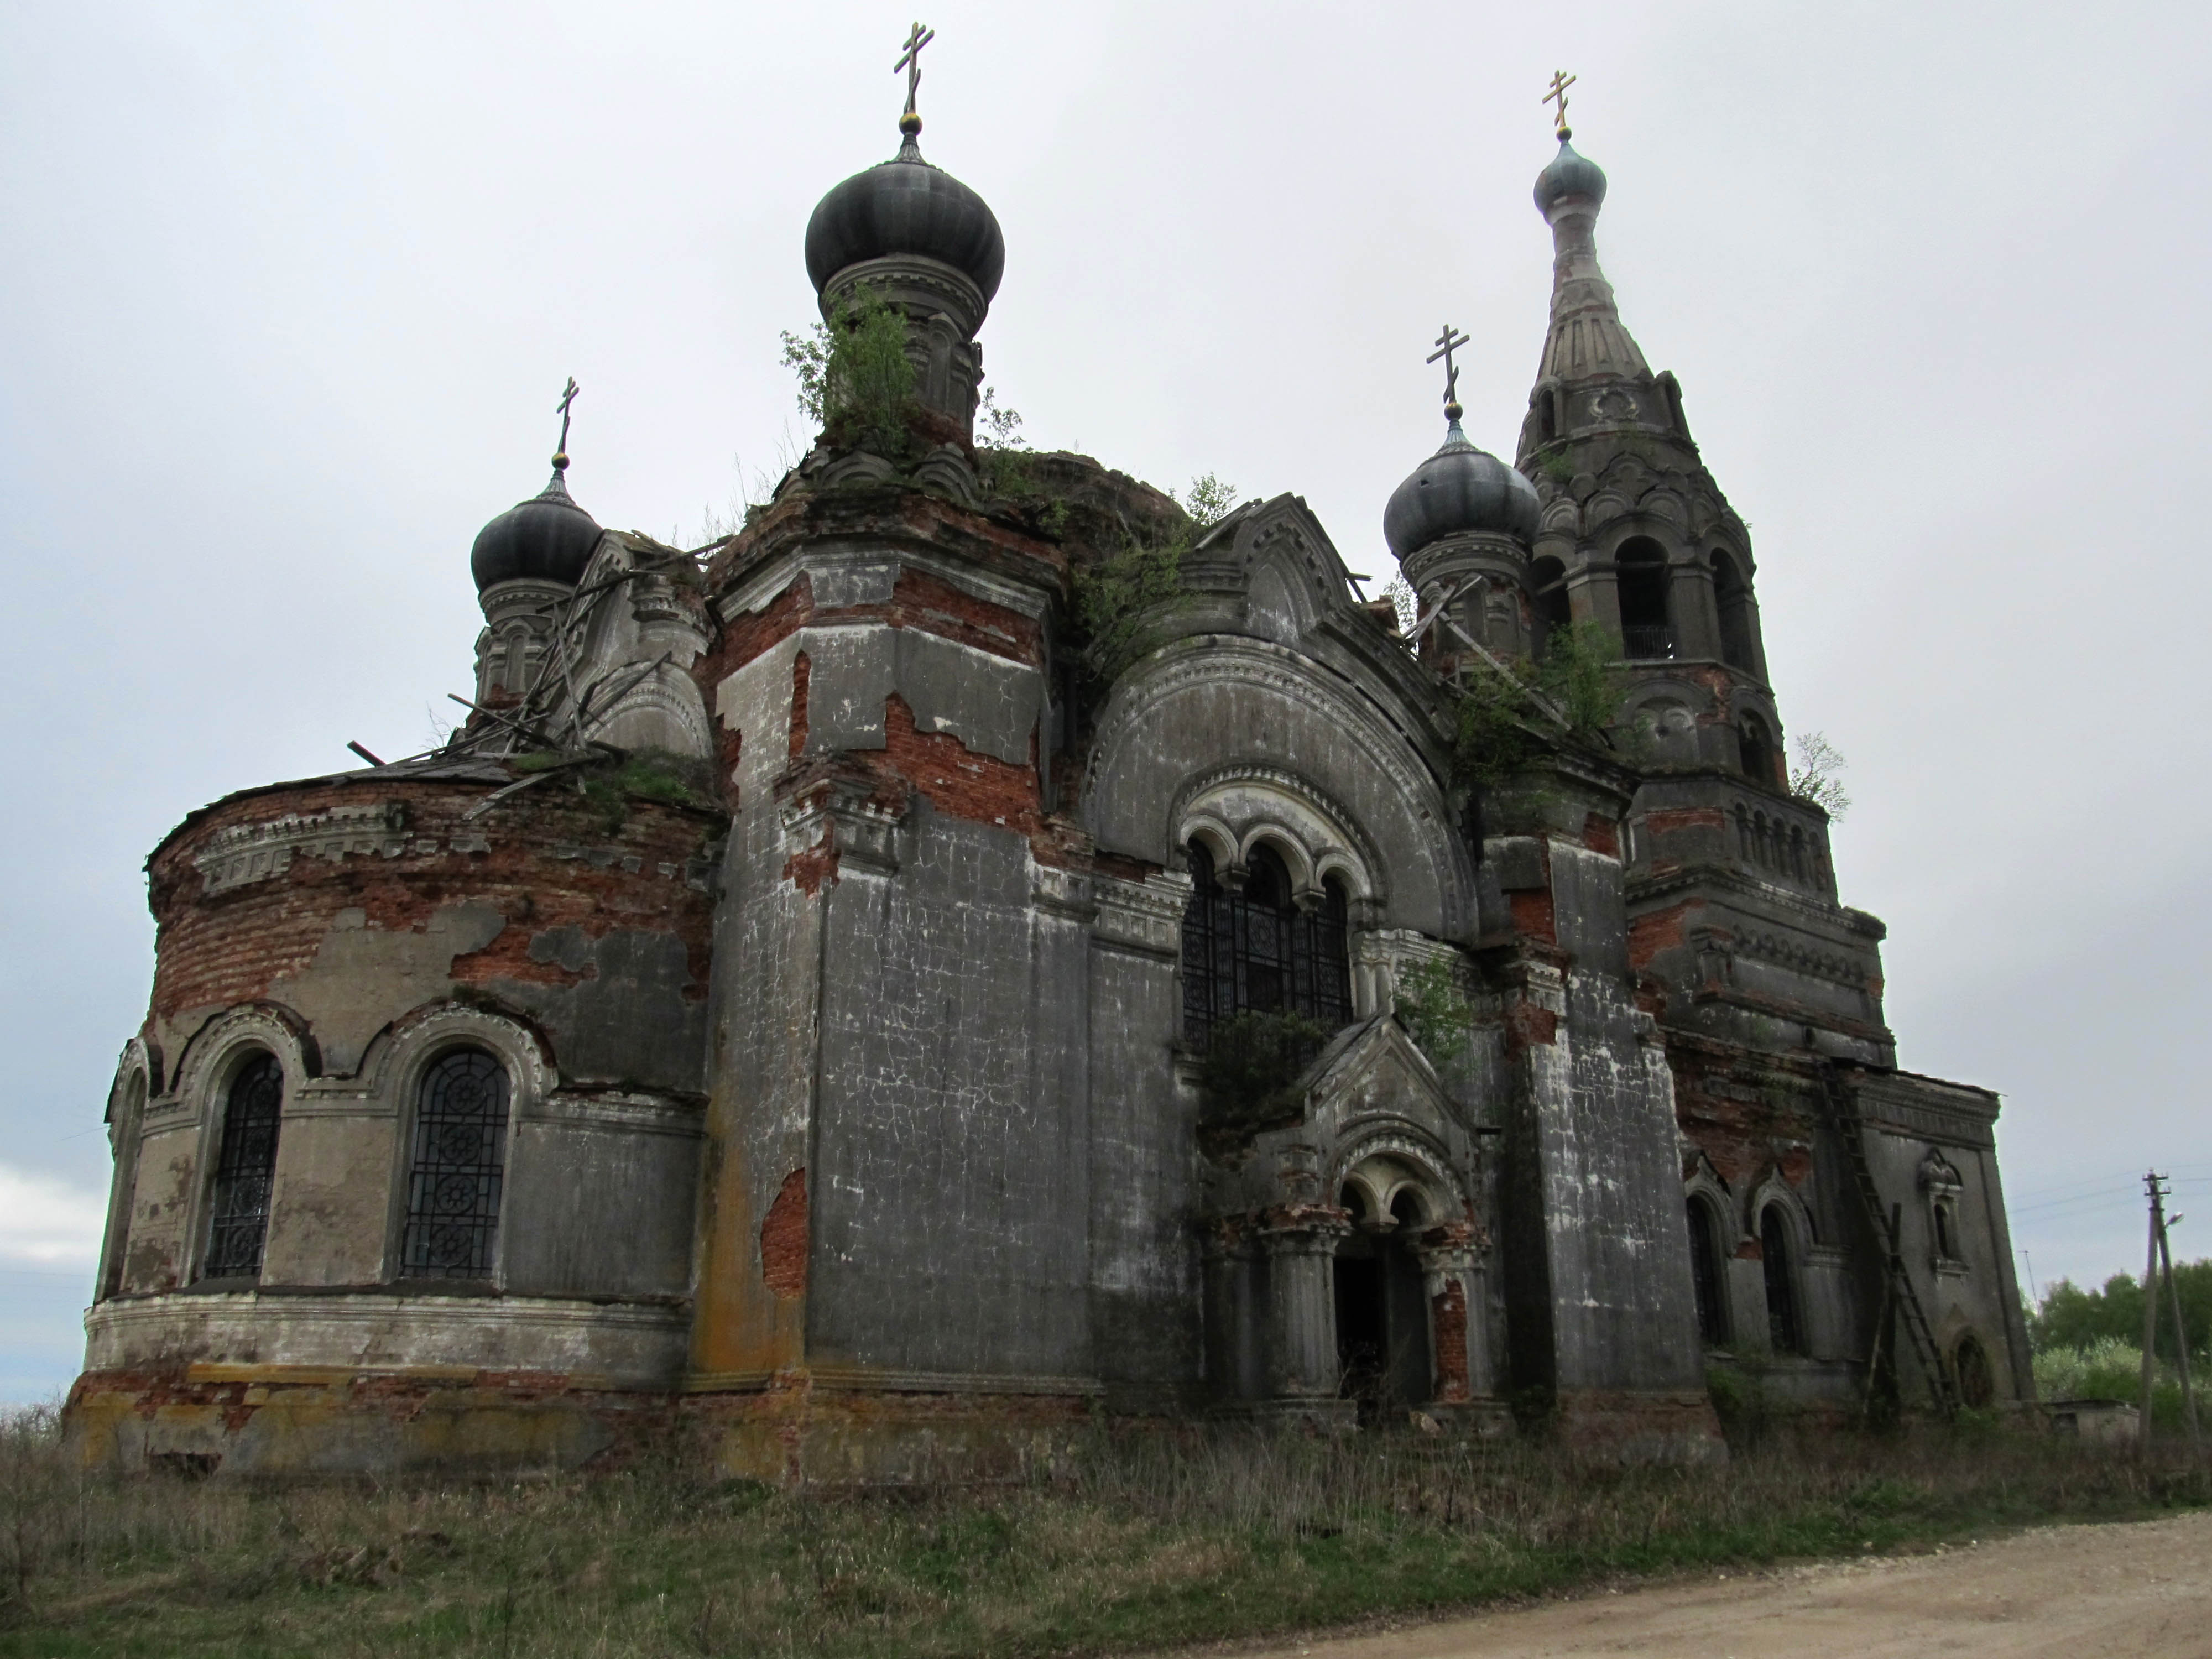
(917, 36)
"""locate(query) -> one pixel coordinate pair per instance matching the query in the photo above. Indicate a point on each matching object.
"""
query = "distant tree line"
(2074, 1318)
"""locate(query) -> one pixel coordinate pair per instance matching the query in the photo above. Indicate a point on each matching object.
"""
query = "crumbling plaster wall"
(355, 927)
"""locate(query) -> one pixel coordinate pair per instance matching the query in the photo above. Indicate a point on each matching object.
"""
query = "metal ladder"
(1850, 1130)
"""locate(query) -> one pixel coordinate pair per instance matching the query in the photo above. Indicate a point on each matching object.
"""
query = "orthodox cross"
(568, 396)
(1558, 94)
(1446, 343)
(918, 37)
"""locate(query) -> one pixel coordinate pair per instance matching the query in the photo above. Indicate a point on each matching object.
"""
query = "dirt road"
(2061, 1593)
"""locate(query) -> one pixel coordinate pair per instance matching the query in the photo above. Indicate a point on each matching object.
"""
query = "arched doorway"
(1384, 1360)
(1978, 1384)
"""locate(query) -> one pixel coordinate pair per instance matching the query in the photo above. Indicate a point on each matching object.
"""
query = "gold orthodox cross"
(1446, 343)
(568, 396)
(1558, 94)
(918, 37)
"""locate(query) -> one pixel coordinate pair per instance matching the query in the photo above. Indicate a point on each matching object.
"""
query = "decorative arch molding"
(1774, 1190)
(1702, 1180)
(138, 1066)
(667, 703)
(1380, 1160)
(219, 1048)
(1374, 781)
(393, 1069)
(1232, 809)
(1746, 701)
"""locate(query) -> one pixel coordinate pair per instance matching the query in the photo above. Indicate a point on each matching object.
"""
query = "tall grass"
(1145, 1539)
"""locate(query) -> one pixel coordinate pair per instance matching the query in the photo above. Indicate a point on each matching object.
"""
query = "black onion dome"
(1570, 174)
(906, 206)
(1458, 489)
(547, 539)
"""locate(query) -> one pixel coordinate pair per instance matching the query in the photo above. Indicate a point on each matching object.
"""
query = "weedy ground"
(1142, 1541)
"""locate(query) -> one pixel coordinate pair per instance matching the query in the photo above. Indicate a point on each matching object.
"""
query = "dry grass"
(1149, 1540)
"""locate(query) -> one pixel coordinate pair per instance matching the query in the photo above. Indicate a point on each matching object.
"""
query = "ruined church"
(980, 951)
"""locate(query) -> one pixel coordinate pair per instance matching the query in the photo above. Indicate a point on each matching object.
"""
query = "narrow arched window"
(245, 1169)
(1640, 568)
(458, 1168)
(1782, 1327)
(1706, 1275)
(1260, 950)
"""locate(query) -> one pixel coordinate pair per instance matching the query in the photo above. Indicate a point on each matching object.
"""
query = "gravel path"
(2109, 1592)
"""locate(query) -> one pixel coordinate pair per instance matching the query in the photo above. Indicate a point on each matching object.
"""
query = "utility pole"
(2180, 1327)
(2156, 1193)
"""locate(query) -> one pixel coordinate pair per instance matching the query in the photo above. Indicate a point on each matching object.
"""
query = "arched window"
(1755, 745)
(1640, 567)
(1783, 1327)
(1732, 597)
(245, 1169)
(1259, 949)
(1707, 1275)
(458, 1168)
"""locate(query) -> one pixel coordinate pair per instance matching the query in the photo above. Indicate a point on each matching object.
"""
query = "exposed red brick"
(811, 868)
(783, 1239)
(920, 600)
(234, 947)
(1666, 820)
(1528, 1024)
(1661, 930)
(1532, 916)
(1128, 869)
(956, 781)
(507, 956)
(756, 631)
(1448, 1311)
(801, 671)
(1602, 835)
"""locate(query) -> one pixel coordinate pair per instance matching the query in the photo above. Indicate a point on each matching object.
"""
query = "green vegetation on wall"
(855, 380)
(1430, 1008)
(1494, 737)
(1252, 1060)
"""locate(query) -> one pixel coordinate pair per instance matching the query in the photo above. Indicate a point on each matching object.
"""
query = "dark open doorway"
(1383, 1324)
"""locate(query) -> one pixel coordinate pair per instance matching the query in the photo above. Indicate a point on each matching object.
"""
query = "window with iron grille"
(245, 1169)
(1259, 950)
(458, 1168)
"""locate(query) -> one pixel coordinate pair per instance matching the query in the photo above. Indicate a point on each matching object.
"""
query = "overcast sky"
(289, 293)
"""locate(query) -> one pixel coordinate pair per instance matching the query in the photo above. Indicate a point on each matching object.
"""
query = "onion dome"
(546, 539)
(1458, 490)
(1569, 174)
(905, 205)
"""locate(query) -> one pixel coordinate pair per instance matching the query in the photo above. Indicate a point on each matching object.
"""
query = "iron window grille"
(244, 1170)
(1258, 950)
(458, 1168)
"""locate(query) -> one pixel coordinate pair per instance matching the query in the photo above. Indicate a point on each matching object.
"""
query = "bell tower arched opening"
(1647, 634)
(1732, 597)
